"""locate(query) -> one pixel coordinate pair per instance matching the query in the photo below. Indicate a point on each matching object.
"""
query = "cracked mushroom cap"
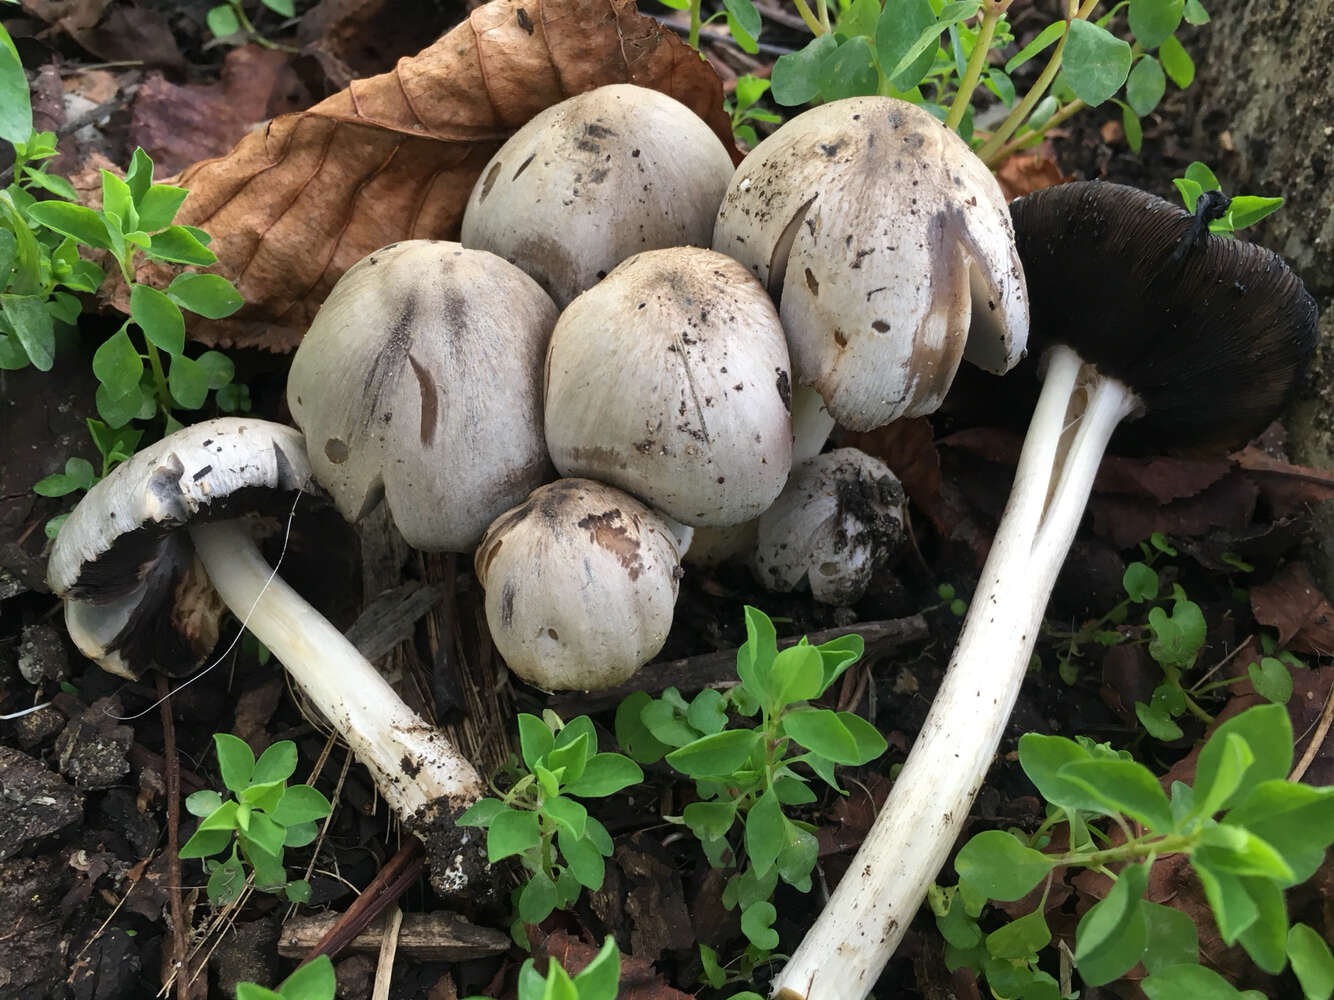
(838, 522)
(596, 178)
(580, 583)
(134, 592)
(669, 380)
(420, 381)
(889, 248)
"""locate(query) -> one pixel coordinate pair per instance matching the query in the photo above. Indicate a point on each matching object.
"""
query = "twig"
(390, 882)
(384, 969)
(1317, 738)
(173, 780)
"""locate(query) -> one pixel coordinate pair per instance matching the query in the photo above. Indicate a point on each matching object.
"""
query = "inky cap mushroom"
(421, 381)
(591, 180)
(580, 582)
(669, 379)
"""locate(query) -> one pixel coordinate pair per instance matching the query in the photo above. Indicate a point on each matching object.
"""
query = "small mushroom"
(580, 582)
(596, 178)
(836, 523)
(1201, 349)
(669, 380)
(889, 249)
(118, 562)
(420, 381)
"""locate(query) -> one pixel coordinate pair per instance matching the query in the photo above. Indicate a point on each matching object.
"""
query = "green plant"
(229, 21)
(742, 19)
(1247, 832)
(744, 112)
(266, 816)
(313, 981)
(539, 820)
(749, 776)
(1242, 210)
(115, 445)
(599, 980)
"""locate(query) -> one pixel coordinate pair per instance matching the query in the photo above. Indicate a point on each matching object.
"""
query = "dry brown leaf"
(394, 157)
(1294, 605)
(1024, 173)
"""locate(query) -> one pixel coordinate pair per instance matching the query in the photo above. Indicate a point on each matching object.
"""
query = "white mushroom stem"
(419, 773)
(811, 423)
(843, 954)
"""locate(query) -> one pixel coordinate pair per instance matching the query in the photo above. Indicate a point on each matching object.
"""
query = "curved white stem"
(420, 773)
(811, 423)
(844, 952)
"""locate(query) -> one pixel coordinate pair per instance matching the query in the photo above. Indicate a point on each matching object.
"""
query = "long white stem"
(420, 774)
(846, 949)
(811, 423)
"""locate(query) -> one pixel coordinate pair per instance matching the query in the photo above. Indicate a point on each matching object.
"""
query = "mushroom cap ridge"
(1213, 344)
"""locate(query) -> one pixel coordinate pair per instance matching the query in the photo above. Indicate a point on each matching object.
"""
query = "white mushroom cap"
(839, 520)
(669, 379)
(591, 180)
(882, 236)
(421, 381)
(580, 582)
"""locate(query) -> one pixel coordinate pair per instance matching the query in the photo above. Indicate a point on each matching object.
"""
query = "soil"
(91, 905)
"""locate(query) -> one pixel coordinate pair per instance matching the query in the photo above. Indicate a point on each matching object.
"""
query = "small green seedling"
(229, 22)
(749, 776)
(1248, 833)
(313, 981)
(742, 19)
(115, 445)
(267, 816)
(744, 112)
(1242, 210)
(539, 820)
(599, 980)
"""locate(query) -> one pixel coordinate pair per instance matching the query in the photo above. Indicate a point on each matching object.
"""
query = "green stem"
(809, 18)
(1194, 709)
(694, 24)
(973, 71)
(1134, 850)
(159, 378)
(1033, 136)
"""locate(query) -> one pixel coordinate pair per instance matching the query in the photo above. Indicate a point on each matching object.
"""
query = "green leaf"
(796, 80)
(537, 899)
(118, 201)
(512, 832)
(996, 865)
(225, 817)
(1044, 39)
(276, 763)
(481, 813)
(605, 774)
(956, 926)
(710, 820)
(601, 977)
(572, 757)
(837, 655)
(1145, 86)
(1237, 851)
(236, 762)
(159, 317)
(1266, 940)
(823, 732)
(282, 7)
(158, 207)
(745, 15)
(180, 245)
(1153, 21)
(15, 104)
(203, 802)
(708, 712)
(117, 364)
(1177, 639)
(664, 724)
(222, 21)
(1296, 820)
(1123, 786)
(78, 475)
(301, 804)
(749, 89)
(597, 835)
(797, 674)
(796, 860)
(757, 924)
(535, 738)
(139, 177)
(1247, 210)
(1200, 174)
(1234, 759)
(568, 814)
(1195, 12)
(1113, 934)
(1267, 731)
(1311, 962)
(205, 843)
(188, 383)
(792, 790)
(267, 835)
(313, 981)
(1020, 938)
(30, 322)
(262, 796)
(209, 295)
(1193, 981)
(898, 30)
(252, 991)
(300, 834)
(714, 974)
(1271, 680)
(717, 755)
(1096, 62)
(1176, 62)
(849, 71)
(572, 730)
(1043, 758)
(53, 183)
(82, 223)
(1172, 937)
(584, 859)
(217, 368)
(1233, 908)
(633, 736)
(1157, 722)
(928, 39)
(766, 832)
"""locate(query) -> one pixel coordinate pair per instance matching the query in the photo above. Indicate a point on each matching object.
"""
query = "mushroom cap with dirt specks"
(669, 379)
(591, 180)
(580, 583)
(421, 381)
(887, 244)
(134, 595)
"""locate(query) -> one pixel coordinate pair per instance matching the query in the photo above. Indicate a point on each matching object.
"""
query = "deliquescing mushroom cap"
(1211, 340)
(581, 582)
(421, 381)
(133, 594)
(889, 248)
(669, 379)
(591, 180)
(838, 521)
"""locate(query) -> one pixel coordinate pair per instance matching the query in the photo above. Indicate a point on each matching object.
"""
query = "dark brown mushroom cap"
(1212, 341)
(134, 593)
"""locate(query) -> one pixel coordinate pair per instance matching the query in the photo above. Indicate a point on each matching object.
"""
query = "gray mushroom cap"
(591, 180)
(420, 381)
(890, 250)
(134, 594)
